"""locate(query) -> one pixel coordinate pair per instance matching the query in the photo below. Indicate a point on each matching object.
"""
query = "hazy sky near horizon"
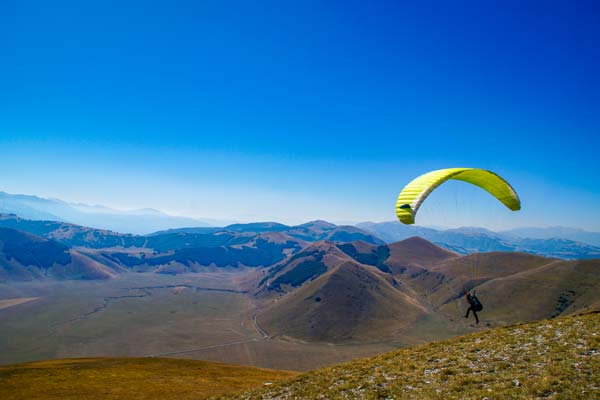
(297, 110)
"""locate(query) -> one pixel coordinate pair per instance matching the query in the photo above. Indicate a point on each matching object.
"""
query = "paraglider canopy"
(413, 194)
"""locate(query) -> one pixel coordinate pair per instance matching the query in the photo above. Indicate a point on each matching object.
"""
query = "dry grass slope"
(128, 378)
(349, 302)
(558, 359)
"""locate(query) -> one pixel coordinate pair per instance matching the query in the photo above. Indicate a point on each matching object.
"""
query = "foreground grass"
(129, 378)
(558, 359)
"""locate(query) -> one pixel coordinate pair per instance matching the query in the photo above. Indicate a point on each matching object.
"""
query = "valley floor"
(206, 316)
(550, 359)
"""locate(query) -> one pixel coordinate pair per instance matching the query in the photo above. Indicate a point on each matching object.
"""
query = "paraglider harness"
(474, 302)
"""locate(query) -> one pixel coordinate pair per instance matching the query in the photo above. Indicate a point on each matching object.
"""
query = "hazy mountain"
(70, 234)
(140, 221)
(198, 229)
(470, 240)
(559, 232)
(311, 231)
(560, 248)
(257, 227)
(394, 231)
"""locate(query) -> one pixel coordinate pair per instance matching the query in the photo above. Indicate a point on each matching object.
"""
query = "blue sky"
(299, 110)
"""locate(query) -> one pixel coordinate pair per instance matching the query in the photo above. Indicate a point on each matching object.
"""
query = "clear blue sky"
(295, 110)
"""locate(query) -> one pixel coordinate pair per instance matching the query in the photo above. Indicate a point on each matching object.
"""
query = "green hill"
(558, 359)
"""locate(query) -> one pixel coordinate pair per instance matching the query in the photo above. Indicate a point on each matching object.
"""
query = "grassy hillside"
(557, 359)
(467, 272)
(555, 288)
(129, 378)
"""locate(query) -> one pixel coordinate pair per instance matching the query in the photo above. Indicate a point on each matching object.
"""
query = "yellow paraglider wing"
(413, 194)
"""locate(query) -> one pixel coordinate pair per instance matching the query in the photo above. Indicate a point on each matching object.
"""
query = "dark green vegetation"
(32, 250)
(557, 359)
(129, 378)
(308, 268)
(375, 256)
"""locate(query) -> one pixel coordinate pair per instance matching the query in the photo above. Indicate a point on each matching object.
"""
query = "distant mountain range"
(140, 221)
(560, 232)
(171, 252)
(25, 257)
(569, 243)
(470, 240)
(322, 282)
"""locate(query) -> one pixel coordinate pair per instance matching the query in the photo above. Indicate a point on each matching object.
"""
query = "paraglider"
(413, 194)
(474, 305)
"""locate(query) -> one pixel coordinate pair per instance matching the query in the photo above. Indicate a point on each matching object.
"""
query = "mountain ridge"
(140, 221)
(468, 240)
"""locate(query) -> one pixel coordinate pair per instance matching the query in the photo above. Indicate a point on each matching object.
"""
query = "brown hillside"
(458, 275)
(350, 301)
(413, 254)
(553, 289)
